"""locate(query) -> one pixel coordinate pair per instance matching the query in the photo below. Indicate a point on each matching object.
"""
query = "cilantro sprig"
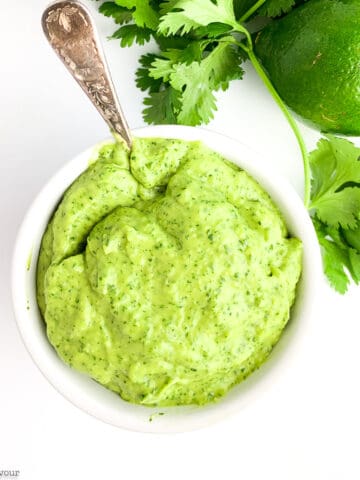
(192, 36)
(335, 208)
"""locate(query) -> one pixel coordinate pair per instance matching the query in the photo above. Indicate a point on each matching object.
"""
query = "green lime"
(312, 56)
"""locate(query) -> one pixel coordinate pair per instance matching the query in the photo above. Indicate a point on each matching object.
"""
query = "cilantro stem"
(265, 79)
(251, 10)
(306, 165)
(241, 29)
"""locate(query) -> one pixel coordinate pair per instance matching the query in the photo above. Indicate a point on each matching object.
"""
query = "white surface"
(305, 428)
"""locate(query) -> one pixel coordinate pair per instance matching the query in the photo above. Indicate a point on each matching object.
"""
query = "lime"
(312, 56)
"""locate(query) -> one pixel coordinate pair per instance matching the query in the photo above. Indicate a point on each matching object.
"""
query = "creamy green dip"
(167, 274)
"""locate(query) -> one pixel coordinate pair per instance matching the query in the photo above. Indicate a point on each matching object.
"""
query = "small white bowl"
(106, 405)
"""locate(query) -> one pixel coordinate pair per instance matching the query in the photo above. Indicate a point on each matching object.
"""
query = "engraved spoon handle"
(71, 32)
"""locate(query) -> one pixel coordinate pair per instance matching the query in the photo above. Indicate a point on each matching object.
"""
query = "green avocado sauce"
(166, 274)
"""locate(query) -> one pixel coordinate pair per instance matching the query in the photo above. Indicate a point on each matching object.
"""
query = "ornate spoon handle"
(71, 32)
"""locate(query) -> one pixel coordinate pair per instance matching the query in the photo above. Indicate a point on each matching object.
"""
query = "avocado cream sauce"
(166, 274)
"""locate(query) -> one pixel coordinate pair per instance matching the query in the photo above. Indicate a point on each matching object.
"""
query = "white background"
(306, 427)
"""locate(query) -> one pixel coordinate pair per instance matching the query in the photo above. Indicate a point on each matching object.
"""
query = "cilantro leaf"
(167, 5)
(212, 30)
(143, 79)
(224, 64)
(352, 237)
(190, 14)
(162, 106)
(354, 257)
(163, 67)
(128, 34)
(198, 101)
(340, 208)
(274, 8)
(144, 15)
(120, 15)
(173, 41)
(197, 81)
(341, 262)
(335, 258)
(335, 193)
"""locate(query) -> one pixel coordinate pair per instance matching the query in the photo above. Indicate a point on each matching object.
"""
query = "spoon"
(71, 32)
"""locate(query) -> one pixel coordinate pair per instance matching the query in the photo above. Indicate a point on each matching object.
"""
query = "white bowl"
(106, 405)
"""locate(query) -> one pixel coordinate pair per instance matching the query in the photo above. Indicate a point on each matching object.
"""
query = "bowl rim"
(176, 419)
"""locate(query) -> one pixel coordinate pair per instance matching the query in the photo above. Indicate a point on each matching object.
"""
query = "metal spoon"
(71, 32)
